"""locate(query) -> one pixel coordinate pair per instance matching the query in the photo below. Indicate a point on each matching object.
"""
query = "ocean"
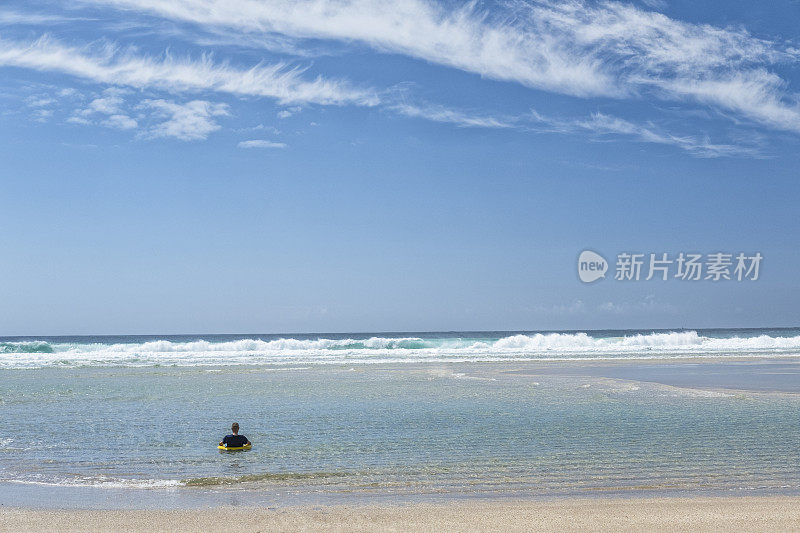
(373, 348)
(402, 415)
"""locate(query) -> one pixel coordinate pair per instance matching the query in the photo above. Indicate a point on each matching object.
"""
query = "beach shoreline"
(745, 513)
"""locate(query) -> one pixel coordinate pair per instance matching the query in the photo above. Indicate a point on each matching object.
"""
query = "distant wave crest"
(377, 349)
(26, 347)
(256, 345)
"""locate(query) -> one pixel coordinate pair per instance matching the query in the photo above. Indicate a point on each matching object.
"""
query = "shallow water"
(457, 428)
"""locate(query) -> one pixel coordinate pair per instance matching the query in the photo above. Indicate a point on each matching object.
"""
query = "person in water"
(234, 440)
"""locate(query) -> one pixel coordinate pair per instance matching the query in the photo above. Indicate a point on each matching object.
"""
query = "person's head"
(235, 428)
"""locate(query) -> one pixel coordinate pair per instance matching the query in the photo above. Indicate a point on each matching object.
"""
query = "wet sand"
(651, 514)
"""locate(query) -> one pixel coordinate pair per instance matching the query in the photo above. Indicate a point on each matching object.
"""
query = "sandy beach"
(663, 514)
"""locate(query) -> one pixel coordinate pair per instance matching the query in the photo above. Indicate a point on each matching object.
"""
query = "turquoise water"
(511, 428)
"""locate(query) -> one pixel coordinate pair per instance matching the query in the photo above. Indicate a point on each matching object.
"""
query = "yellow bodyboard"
(235, 449)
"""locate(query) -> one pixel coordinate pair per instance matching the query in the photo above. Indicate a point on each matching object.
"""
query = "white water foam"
(101, 481)
(293, 352)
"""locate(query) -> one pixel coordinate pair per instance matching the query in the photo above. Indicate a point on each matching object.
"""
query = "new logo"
(591, 266)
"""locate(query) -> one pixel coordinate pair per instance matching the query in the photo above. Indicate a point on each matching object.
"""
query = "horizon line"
(409, 332)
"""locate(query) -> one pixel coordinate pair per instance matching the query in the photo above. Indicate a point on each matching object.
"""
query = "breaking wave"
(25, 347)
(377, 349)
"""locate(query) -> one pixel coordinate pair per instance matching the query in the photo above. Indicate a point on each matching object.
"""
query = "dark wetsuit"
(234, 441)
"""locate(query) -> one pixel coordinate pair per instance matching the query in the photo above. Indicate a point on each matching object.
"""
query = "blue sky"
(319, 166)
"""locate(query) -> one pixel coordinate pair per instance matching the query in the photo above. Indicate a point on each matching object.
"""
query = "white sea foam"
(99, 481)
(293, 352)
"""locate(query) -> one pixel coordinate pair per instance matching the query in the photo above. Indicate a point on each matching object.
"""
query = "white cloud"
(463, 38)
(107, 105)
(193, 120)
(121, 122)
(451, 116)
(646, 304)
(39, 101)
(106, 64)
(597, 124)
(42, 115)
(578, 307)
(16, 18)
(111, 104)
(577, 48)
(260, 143)
(68, 92)
(288, 112)
(602, 124)
(260, 127)
(41, 107)
(79, 120)
(188, 122)
(605, 49)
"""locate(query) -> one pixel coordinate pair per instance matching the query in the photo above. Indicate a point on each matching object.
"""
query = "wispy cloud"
(21, 18)
(39, 101)
(260, 127)
(107, 109)
(452, 116)
(42, 115)
(41, 107)
(152, 118)
(107, 64)
(578, 307)
(289, 111)
(464, 38)
(599, 125)
(120, 122)
(191, 121)
(577, 48)
(609, 49)
(109, 103)
(260, 143)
